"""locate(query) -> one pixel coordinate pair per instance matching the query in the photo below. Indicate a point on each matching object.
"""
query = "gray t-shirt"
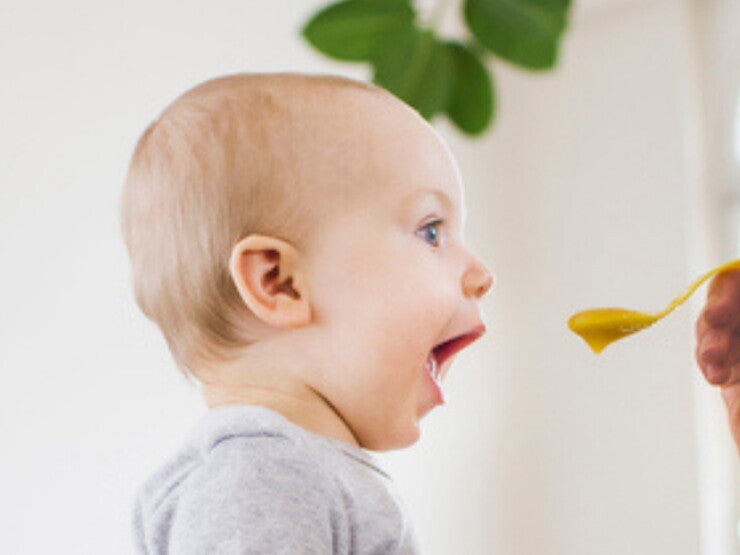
(249, 481)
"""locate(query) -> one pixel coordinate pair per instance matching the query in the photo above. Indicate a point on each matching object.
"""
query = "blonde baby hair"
(217, 165)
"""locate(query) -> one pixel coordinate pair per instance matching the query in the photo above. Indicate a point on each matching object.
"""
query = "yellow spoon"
(601, 326)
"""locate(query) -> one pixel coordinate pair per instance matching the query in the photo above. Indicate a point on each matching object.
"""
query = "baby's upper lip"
(449, 347)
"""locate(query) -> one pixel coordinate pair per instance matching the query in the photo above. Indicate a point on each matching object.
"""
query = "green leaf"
(524, 32)
(353, 29)
(471, 105)
(415, 66)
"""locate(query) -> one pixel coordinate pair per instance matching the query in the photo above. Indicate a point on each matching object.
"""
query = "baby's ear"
(266, 273)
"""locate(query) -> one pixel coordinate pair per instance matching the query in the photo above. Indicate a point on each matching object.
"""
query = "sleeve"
(256, 495)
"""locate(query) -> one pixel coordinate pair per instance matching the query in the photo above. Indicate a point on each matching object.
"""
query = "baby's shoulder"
(246, 487)
(249, 453)
(274, 458)
(257, 445)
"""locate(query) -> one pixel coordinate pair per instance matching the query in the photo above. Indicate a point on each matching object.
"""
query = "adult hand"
(718, 343)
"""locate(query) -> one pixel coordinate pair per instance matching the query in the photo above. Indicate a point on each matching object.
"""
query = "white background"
(592, 189)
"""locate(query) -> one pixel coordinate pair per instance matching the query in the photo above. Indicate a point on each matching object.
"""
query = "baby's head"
(298, 240)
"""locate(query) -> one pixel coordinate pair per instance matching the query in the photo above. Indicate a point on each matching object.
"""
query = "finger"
(701, 326)
(715, 353)
(725, 283)
(714, 346)
(707, 351)
(734, 377)
(723, 300)
(720, 360)
(701, 329)
(729, 370)
(716, 375)
(717, 349)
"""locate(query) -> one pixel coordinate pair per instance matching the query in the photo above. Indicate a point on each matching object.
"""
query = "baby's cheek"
(443, 299)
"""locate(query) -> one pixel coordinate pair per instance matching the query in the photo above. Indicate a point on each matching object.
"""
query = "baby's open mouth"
(448, 348)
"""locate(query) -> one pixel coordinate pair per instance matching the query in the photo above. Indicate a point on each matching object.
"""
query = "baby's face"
(389, 274)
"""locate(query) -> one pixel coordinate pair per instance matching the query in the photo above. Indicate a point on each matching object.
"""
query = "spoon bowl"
(599, 327)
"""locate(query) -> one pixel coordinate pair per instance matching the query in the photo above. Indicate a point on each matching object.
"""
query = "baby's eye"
(431, 231)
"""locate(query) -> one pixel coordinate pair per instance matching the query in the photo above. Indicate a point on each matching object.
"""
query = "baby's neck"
(303, 406)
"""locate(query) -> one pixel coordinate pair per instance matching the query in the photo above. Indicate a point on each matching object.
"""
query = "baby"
(299, 241)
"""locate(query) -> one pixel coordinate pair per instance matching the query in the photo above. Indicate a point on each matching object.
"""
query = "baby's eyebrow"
(440, 195)
(429, 191)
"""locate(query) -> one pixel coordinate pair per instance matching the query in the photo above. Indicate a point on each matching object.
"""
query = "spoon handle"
(733, 264)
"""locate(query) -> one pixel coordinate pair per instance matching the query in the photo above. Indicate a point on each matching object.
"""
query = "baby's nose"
(477, 280)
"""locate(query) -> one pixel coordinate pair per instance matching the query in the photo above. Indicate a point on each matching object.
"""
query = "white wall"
(579, 201)
(578, 198)
(718, 54)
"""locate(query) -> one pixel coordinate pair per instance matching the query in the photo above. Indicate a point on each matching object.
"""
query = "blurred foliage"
(437, 75)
